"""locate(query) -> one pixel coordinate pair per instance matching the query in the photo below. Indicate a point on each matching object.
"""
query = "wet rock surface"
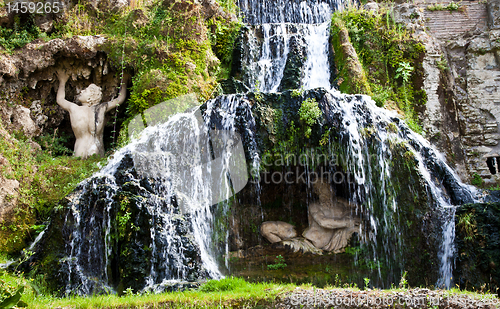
(107, 236)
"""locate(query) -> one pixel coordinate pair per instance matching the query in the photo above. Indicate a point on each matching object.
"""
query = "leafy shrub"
(477, 180)
(452, 6)
(391, 56)
(297, 93)
(222, 38)
(24, 31)
(279, 263)
(309, 113)
(55, 144)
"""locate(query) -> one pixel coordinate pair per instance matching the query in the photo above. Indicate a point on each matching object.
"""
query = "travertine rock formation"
(30, 73)
(462, 81)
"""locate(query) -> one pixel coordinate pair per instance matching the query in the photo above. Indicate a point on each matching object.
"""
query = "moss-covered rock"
(107, 235)
(403, 237)
(478, 243)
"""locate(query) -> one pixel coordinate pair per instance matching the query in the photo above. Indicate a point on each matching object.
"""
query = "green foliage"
(452, 6)
(54, 144)
(404, 71)
(477, 180)
(350, 78)
(9, 298)
(279, 263)
(442, 64)
(16, 290)
(80, 20)
(23, 32)
(166, 44)
(367, 282)
(223, 285)
(222, 38)
(229, 6)
(352, 250)
(309, 114)
(391, 56)
(44, 179)
(403, 282)
(297, 93)
(467, 224)
(435, 7)
(124, 218)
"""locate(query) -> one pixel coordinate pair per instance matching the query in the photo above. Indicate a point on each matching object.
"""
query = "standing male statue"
(87, 120)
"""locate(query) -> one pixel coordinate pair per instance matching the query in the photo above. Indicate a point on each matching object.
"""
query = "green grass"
(214, 294)
(225, 293)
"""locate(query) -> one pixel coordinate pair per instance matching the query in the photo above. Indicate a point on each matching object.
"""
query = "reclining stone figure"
(331, 225)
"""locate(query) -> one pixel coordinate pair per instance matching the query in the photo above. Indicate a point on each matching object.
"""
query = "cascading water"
(371, 167)
(308, 22)
(155, 216)
(274, 30)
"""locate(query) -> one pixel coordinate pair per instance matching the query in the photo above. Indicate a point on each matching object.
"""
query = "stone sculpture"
(87, 120)
(331, 225)
(331, 220)
(276, 231)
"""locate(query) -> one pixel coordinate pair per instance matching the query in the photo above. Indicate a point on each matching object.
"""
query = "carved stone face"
(323, 190)
(91, 95)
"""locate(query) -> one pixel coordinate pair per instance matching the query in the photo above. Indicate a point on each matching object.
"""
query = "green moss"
(351, 76)
(222, 38)
(390, 56)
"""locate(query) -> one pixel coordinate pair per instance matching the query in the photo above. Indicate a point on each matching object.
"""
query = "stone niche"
(28, 82)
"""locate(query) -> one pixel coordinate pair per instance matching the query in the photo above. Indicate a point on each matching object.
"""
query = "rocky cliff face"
(462, 82)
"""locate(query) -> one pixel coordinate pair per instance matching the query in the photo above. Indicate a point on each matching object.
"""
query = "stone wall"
(462, 81)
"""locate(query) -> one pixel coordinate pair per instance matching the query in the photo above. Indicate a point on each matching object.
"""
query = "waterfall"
(371, 134)
(273, 29)
(158, 214)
